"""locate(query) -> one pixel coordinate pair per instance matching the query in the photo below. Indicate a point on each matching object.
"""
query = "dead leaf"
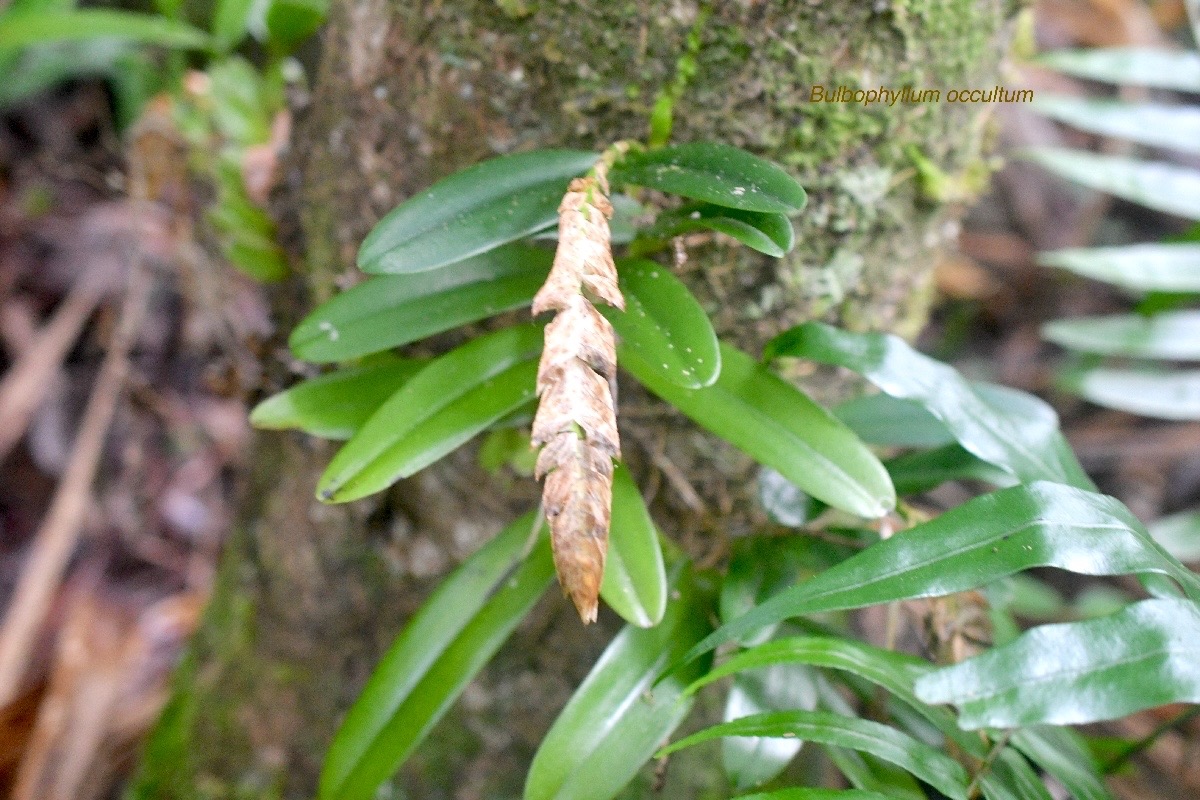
(576, 421)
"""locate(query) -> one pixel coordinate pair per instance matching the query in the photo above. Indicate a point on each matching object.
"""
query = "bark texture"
(408, 92)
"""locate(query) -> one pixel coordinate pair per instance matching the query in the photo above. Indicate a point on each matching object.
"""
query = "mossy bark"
(409, 92)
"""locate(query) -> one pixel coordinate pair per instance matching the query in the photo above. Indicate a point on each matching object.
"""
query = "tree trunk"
(408, 92)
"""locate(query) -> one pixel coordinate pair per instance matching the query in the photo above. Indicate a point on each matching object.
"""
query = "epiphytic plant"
(467, 249)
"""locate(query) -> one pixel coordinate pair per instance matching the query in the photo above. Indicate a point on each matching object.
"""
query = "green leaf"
(1146, 655)
(893, 422)
(1164, 395)
(754, 760)
(618, 715)
(291, 22)
(892, 671)
(24, 28)
(799, 793)
(784, 501)
(441, 407)
(1014, 431)
(1163, 69)
(1179, 534)
(393, 310)
(769, 233)
(914, 473)
(1156, 185)
(715, 173)
(762, 566)
(41, 67)
(1171, 335)
(1061, 753)
(663, 328)
(1176, 127)
(335, 405)
(930, 765)
(229, 23)
(782, 428)
(454, 634)
(241, 112)
(1138, 268)
(990, 537)
(635, 578)
(473, 211)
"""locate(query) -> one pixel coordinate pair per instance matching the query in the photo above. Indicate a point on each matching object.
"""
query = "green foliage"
(468, 249)
(473, 211)
(442, 649)
(1157, 333)
(619, 715)
(663, 328)
(1145, 655)
(635, 575)
(43, 42)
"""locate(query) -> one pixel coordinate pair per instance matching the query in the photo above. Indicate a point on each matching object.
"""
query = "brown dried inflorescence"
(576, 419)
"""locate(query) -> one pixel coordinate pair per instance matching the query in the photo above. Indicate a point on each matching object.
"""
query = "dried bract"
(576, 421)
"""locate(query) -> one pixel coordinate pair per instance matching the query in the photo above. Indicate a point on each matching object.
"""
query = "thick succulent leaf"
(1012, 430)
(445, 404)
(663, 328)
(1146, 655)
(1171, 335)
(635, 578)
(1179, 534)
(337, 404)
(990, 537)
(1164, 395)
(24, 28)
(472, 211)
(392, 310)
(1060, 753)
(1137, 268)
(930, 765)
(1159, 68)
(445, 645)
(618, 715)
(1176, 127)
(766, 232)
(753, 760)
(921, 471)
(782, 428)
(1156, 185)
(715, 173)
(893, 422)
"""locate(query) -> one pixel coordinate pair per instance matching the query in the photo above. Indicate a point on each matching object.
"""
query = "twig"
(59, 533)
(27, 381)
(986, 766)
(1118, 760)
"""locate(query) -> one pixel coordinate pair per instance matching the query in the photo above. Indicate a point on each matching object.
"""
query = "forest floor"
(123, 419)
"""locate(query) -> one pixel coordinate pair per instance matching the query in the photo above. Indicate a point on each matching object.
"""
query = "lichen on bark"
(409, 92)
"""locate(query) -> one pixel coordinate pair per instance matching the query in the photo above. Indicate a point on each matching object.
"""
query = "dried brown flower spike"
(576, 418)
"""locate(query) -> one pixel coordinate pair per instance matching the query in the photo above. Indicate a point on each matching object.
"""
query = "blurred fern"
(1125, 360)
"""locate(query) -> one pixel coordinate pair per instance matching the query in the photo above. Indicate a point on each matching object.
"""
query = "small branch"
(986, 766)
(1121, 758)
(28, 380)
(59, 533)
